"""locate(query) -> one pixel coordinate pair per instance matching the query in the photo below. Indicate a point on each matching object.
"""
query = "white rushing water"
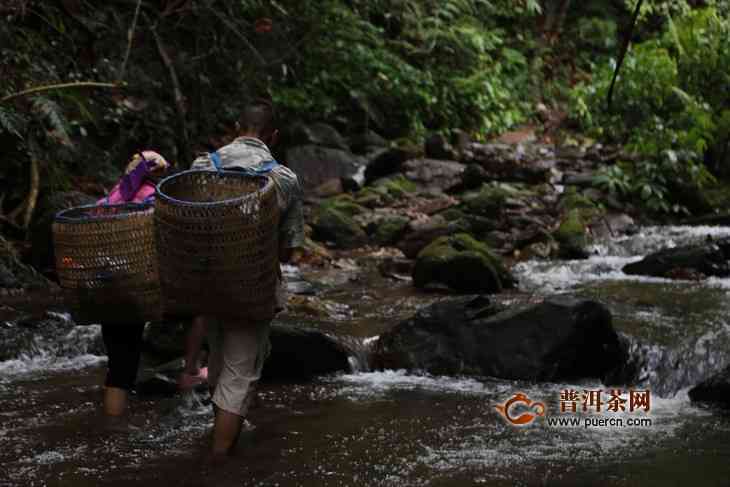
(610, 257)
(69, 351)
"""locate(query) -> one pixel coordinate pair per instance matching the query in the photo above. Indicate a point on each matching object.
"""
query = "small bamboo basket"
(217, 244)
(107, 264)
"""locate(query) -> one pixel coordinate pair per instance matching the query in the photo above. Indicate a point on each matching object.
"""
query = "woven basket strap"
(215, 158)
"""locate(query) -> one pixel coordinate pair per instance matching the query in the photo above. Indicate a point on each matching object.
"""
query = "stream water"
(390, 428)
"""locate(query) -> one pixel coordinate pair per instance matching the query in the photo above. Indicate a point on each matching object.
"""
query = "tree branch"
(61, 86)
(130, 40)
(177, 92)
(624, 50)
(35, 184)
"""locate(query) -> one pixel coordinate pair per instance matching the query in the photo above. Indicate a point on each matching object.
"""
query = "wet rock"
(474, 176)
(462, 264)
(321, 134)
(333, 222)
(714, 390)
(710, 259)
(559, 339)
(315, 164)
(434, 174)
(355, 181)
(367, 142)
(41, 235)
(527, 163)
(301, 353)
(387, 162)
(437, 146)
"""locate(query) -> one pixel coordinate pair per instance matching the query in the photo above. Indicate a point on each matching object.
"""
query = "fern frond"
(11, 123)
(54, 119)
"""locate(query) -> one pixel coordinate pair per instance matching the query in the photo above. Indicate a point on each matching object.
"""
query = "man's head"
(258, 120)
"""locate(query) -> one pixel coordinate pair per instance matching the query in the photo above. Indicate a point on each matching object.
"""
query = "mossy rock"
(572, 235)
(333, 222)
(384, 192)
(463, 264)
(389, 230)
(572, 200)
(345, 204)
(491, 198)
(452, 214)
(399, 186)
(371, 198)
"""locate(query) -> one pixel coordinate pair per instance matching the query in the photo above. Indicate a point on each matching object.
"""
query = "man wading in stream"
(238, 350)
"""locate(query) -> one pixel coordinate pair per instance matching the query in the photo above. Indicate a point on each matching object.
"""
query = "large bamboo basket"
(217, 244)
(106, 263)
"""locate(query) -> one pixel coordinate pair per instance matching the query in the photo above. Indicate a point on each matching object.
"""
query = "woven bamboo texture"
(106, 263)
(217, 244)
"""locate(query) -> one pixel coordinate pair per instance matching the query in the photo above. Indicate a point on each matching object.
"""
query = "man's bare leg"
(193, 344)
(226, 430)
(115, 401)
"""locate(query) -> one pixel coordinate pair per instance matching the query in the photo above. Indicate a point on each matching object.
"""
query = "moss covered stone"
(384, 192)
(390, 229)
(463, 264)
(572, 235)
(333, 222)
(486, 202)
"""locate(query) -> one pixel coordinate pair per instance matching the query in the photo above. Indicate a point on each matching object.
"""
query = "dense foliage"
(669, 107)
(402, 68)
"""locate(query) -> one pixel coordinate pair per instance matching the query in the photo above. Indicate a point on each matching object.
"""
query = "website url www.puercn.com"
(597, 422)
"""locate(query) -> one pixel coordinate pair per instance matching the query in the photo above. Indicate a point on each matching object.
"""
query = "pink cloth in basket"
(115, 195)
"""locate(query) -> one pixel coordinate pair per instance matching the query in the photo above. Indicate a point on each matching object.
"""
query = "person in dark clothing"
(123, 343)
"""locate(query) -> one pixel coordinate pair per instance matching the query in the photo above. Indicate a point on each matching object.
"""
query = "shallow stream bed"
(390, 428)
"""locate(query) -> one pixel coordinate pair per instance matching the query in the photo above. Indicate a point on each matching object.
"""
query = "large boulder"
(434, 174)
(561, 339)
(318, 133)
(316, 164)
(301, 353)
(715, 390)
(709, 259)
(532, 164)
(367, 142)
(387, 162)
(41, 234)
(333, 222)
(297, 353)
(462, 264)
(436, 146)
